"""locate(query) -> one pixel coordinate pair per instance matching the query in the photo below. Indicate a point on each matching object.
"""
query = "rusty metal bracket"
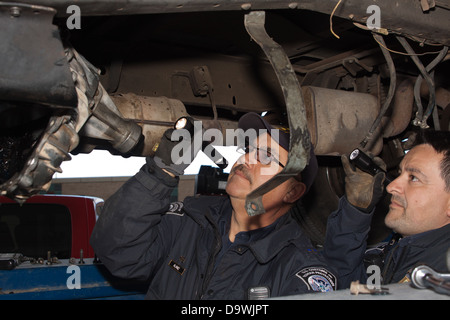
(299, 148)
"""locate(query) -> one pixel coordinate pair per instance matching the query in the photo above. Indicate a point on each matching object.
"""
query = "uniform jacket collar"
(286, 231)
(427, 238)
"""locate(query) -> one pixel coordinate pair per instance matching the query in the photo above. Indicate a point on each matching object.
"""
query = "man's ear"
(296, 191)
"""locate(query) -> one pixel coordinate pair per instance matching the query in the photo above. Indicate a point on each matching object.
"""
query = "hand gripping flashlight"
(366, 164)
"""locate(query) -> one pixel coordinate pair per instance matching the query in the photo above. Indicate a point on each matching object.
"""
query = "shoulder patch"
(318, 279)
(176, 208)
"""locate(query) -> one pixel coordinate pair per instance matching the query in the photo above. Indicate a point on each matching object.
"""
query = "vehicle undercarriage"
(129, 69)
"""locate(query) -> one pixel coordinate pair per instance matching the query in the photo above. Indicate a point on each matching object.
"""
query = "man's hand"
(169, 159)
(363, 190)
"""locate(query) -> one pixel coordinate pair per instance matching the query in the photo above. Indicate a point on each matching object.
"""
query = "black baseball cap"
(253, 120)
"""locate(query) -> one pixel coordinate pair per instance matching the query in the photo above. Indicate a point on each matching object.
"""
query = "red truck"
(59, 225)
(41, 242)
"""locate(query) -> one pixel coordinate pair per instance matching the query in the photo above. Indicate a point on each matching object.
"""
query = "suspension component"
(300, 144)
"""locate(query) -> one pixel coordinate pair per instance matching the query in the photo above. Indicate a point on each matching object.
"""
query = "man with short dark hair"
(419, 214)
(209, 247)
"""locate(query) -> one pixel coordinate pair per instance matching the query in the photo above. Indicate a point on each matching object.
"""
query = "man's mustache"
(398, 200)
(243, 170)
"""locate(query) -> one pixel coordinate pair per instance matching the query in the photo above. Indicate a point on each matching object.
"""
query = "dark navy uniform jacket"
(345, 248)
(183, 252)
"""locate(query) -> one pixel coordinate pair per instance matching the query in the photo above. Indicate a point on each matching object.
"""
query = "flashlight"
(366, 164)
(185, 123)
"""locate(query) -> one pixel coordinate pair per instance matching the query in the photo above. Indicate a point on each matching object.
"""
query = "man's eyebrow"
(415, 170)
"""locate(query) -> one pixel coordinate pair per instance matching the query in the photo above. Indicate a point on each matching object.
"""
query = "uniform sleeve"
(346, 242)
(128, 235)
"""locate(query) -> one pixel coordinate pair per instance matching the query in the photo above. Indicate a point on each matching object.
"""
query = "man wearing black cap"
(209, 247)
